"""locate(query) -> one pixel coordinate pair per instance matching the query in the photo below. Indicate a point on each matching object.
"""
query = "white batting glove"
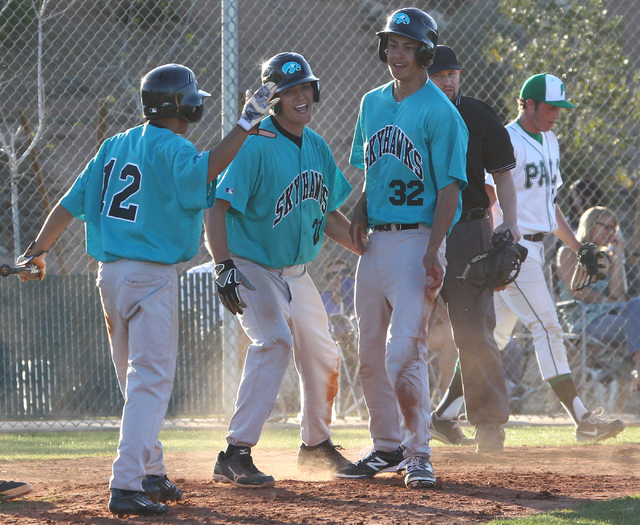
(257, 106)
(36, 263)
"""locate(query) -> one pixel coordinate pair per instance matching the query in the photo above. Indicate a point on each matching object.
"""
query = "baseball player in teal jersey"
(142, 198)
(412, 144)
(537, 177)
(274, 204)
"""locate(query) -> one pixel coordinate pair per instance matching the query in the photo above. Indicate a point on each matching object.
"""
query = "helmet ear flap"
(382, 47)
(276, 109)
(425, 55)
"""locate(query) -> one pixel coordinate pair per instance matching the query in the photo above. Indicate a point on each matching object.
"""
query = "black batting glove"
(228, 278)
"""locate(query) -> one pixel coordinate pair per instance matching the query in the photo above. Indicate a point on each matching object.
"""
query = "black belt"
(389, 227)
(536, 237)
(473, 215)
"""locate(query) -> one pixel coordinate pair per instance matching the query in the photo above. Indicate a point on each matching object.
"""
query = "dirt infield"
(472, 488)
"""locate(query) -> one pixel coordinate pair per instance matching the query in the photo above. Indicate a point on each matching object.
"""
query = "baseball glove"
(228, 278)
(28, 259)
(592, 266)
(500, 266)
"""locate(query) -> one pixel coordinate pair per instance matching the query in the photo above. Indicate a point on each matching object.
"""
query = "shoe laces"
(412, 463)
(596, 419)
(364, 454)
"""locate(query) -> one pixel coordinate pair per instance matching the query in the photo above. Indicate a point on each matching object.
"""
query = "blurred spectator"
(605, 314)
(583, 194)
(338, 299)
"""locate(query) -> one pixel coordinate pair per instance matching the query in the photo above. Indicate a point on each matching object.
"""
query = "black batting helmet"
(172, 90)
(287, 70)
(412, 23)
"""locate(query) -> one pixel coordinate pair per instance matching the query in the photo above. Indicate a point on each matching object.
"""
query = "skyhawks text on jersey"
(307, 185)
(391, 140)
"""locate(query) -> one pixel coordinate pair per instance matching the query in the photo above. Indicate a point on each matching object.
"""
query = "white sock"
(578, 409)
(452, 411)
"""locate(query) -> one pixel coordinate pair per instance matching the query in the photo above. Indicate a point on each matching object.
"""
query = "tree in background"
(580, 43)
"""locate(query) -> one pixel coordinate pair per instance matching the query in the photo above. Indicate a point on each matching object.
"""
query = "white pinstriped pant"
(528, 298)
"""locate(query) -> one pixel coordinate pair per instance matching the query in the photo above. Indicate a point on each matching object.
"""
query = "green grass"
(42, 446)
(623, 511)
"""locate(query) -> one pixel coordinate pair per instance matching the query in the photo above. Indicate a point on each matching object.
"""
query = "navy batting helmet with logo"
(412, 23)
(288, 70)
(172, 90)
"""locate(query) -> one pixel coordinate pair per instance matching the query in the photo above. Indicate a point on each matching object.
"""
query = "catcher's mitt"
(500, 265)
(592, 266)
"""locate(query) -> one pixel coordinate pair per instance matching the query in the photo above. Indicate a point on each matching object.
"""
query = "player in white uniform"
(537, 178)
(273, 206)
(142, 198)
(412, 144)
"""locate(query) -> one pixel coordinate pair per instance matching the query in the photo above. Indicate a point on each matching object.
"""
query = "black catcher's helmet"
(412, 23)
(172, 90)
(288, 70)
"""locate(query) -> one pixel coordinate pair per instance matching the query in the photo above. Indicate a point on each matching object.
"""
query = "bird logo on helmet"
(291, 67)
(172, 90)
(412, 23)
(287, 70)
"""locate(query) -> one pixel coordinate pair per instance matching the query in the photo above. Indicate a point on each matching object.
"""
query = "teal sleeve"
(190, 170)
(357, 146)
(448, 147)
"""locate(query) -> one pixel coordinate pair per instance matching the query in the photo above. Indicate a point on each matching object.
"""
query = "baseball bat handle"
(6, 270)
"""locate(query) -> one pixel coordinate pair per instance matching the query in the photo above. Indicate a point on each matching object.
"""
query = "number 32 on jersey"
(409, 193)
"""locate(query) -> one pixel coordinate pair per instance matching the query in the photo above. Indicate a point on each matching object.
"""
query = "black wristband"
(224, 266)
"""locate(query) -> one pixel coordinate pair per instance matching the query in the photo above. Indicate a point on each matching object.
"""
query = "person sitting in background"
(607, 316)
(338, 299)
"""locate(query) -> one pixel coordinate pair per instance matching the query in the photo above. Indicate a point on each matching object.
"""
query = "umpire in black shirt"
(472, 313)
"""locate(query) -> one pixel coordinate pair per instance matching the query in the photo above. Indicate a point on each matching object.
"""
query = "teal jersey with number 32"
(409, 150)
(142, 197)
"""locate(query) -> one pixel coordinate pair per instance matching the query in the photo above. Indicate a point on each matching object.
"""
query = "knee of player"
(283, 342)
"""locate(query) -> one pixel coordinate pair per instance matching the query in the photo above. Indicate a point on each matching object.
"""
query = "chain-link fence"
(70, 78)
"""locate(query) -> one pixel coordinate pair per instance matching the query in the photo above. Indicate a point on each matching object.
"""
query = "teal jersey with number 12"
(142, 197)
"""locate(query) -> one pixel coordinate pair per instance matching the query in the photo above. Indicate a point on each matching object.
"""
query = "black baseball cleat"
(240, 471)
(596, 428)
(418, 473)
(374, 463)
(14, 489)
(134, 502)
(448, 431)
(159, 488)
(324, 456)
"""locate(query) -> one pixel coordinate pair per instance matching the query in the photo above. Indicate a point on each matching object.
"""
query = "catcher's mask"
(501, 264)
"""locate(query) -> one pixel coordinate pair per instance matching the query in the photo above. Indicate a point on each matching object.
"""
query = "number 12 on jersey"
(118, 209)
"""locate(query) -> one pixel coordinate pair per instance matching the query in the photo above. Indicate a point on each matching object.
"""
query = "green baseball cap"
(545, 88)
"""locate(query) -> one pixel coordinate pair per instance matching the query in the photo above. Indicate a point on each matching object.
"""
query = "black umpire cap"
(445, 59)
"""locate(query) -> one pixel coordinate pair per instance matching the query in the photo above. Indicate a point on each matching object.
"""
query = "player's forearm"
(565, 233)
(221, 156)
(215, 230)
(337, 228)
(54, 225)
(506, 194)
(446, 206)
